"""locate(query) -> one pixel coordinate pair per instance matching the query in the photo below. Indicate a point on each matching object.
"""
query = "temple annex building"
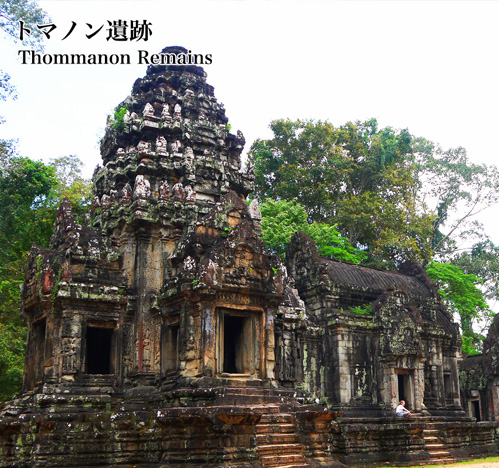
(163, 334)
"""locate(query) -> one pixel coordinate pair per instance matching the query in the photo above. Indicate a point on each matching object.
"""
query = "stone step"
(284, 428)
(435, 446)
(277, 418)
(279, 438)
(280, 449)
(262, 409)
(440, 461)
(441, 454)
(245, 400)
(270, 461)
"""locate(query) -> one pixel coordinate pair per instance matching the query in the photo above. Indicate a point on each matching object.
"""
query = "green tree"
(25, 186)
(357, 177)
(482, 260)
(455, 191)
(30, 192)
(281, 219)
(463, 297)
(392, 195)
(12, 341)
(71, 184)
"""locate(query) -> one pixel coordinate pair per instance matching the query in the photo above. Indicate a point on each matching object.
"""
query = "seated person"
(401, 411)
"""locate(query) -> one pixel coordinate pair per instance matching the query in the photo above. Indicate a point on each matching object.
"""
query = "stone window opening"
(405, 386)
(236, 343)
(100, 349)
(169, 348)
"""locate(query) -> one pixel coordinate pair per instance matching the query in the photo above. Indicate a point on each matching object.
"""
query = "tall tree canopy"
(391, 195)
(357, 177)
(463, 297)
(455, 190)
(30, 192)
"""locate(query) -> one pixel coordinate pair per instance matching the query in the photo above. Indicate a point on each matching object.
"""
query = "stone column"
(419, 387)
(344, 347)
(71, 342)
(494, 401)
(268, 366)
(455, 381)
(208, 339)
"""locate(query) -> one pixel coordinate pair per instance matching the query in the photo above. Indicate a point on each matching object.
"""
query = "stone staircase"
(278, 444)
(434, 446)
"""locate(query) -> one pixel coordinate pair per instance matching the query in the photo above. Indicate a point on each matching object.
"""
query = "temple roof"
(358, 276)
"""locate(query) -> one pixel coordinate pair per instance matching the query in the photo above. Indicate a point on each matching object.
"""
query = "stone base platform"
(216, 427)
(405, 442)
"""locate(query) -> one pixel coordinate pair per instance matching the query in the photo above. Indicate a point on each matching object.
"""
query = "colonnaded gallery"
(163, 334)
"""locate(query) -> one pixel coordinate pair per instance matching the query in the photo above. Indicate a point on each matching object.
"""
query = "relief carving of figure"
(190, 194)
(148, 111)
(105, 201)
(165, 112)
(143, 148)
(175, 147)
(189, 156)
(126, 194)
(161, 145)
(178, 191)
(142, 188)
(120, 153)
(164, 190)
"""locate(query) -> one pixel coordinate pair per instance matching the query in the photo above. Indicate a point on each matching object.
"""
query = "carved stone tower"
(171, 281)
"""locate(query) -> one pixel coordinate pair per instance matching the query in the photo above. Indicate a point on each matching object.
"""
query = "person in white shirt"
(401, 411)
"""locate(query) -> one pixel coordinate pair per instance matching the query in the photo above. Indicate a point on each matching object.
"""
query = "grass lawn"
(475, 461)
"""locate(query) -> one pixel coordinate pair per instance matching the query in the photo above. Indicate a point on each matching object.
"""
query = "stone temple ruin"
(164, 334)
(480, 379)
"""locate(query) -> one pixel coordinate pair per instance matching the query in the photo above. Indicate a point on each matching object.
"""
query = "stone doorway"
(38, 336)
(475, 409)
(405, 386)
(169, 348)
(237, 346)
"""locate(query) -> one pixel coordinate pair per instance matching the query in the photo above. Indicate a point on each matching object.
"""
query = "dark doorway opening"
(447, 385)
(401, 387)
(39, 330)
(169, 348)
(405, 386)
(238, 343)
(233, 344)
(99, 350)
(475, 408)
